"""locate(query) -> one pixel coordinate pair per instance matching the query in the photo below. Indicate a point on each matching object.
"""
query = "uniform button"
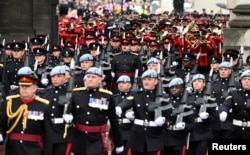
(145, 129)
(56, 91)
(21, 141)
(222, 89)
(146, 113)
(146, 104)
(90, 94)
(52, 114)
(54, 99)
(22, 132)
(246, 94)
(147, 96)
(53, 107)
(87, 122)
(77, 106)
(122, 96)
(88, 113)
(86, 132)
(138, 105)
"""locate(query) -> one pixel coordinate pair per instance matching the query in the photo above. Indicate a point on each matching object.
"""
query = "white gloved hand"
(174, 63)
(180, 126)
(119, 149)
(112, 74)
(45, 82)
(118, 111)
(204, 115)
(223, 116)
(130, 115)
(160, 121)
(68, 118)
(189, 89)
(1, 137)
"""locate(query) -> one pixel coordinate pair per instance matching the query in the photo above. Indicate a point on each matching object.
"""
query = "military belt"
(91, 129)
(145, 123)
(241, 123)
(57, 120)
(27, 137)
(124, 121)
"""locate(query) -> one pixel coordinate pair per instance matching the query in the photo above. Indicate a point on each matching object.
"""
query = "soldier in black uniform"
(8, 52)
(61, 139)
(240, 111)
(25, 119)
(125, 121)
(56, 58)
(11, 67)
(67, 55)
(41, 68)
(86, 61)
(35, 42)
(146, 132)
(92, 107)
(125, 63)
(214, 62)
(202, 130)
(176, 134)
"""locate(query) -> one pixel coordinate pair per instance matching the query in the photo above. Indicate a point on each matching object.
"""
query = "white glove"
(174, 63)
(1, 137)
(118, 111)
(223, 116)
(112, 74)
(68, 118)
(119, 149)
(45, 82)
(204, 115)
(160, 121)
(130, 115)
(189, 89)
(180, 126)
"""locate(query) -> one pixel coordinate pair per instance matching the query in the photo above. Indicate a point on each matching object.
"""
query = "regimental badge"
(102, 103)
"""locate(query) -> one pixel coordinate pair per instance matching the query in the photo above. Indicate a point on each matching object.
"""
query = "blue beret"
(224, 65)
(149, 74)
(246, 73)
(153, 61)
(94, 70)
(86, 57)
(66, 68)
(198, 76)
(57, 70)
(175, 81)
(26, 72)
(123, 78)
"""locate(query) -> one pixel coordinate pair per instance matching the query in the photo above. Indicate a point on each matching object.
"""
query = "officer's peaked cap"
(26, 76)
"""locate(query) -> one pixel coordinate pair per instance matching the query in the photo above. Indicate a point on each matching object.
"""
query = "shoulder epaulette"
(130, 97)
(134, 53)
(42, 100)
(79, 88)
(228, 97)
(12, 96)
(105, 91)
(1, 65)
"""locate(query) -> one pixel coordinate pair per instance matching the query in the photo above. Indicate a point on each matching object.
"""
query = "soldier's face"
(8, 52)
(176, 90)
(224, 72)
(245, 82)
(124, 86)
(214, 66)
(92, 81)
(115, 44)
(27, 91)
(86, 65)
(58, 80)
(198, 85)
(149, 83)
(153, 67)
(56, 53)
(40, 59)
(18, 54)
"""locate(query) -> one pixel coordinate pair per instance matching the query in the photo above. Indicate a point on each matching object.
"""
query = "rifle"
(135, 86)
(65, 100)
(156, 106)
(231, 85)
(27, 53)
(240, 63)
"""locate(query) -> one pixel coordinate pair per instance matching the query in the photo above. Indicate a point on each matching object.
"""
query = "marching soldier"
(25, 119)
(204, 117)
(126, 120)
(55, 59)
(67, 54)
(145, 126)
(92, 107)
(240, 111)
(214, 62)
(61, 139)
(86, 61)
(11, 67)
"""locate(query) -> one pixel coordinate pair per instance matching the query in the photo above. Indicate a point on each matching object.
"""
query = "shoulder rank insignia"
(12, 96)
(134, 53)
(42, 100)
(130, 97)
(79, 88)
(105, 91)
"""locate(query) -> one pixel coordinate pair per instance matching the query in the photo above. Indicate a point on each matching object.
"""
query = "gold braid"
(22, 110)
